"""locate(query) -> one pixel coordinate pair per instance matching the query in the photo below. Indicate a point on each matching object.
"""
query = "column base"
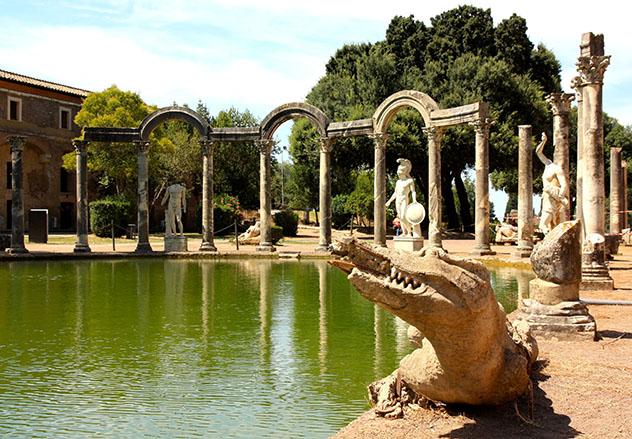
(596, 278)
(522, 252)
(563, 321)
(266, 247)
(81, 248)
(16, 250)
(482, 251)
(323, 248)
(143, 247)
(207, 247)
(408, 243)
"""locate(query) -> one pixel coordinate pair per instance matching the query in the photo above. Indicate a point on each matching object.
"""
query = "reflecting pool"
(248, 348)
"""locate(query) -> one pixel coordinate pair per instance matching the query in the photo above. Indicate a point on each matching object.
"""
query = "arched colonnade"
(435, 119)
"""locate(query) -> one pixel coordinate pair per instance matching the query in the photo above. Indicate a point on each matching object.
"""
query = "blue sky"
(259, 54)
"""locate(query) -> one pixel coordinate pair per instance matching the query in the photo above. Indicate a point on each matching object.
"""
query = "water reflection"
(248, 348)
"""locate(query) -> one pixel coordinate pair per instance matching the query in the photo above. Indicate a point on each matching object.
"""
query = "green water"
(170, 348)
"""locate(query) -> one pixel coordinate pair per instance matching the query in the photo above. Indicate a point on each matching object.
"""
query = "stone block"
(558, 257)
(408, 243)
(176, 244)
(549, 293)
(564, 321)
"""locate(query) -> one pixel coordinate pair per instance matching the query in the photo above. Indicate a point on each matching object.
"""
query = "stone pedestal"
(553, 309)
(562, 321)
(408, 243)
(176, 244)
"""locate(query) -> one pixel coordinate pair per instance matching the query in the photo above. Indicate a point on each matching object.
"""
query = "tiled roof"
(22, 79)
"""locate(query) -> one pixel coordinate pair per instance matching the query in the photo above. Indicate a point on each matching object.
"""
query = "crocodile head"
(428, 289)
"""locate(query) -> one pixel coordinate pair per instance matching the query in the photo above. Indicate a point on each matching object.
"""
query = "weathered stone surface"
(557, 258)
(408, 243)
(549, 293)
(175, 244)
(563, 321)
(469, 353)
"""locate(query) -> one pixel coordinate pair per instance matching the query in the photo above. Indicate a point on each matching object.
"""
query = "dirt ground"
(581, 389)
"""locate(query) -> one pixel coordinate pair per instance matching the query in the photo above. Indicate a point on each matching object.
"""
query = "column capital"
(16, 143)
(379, 140)
(142, 145)
(207, 146)
(560, 103)
(482, 126)
(326, 144)
(433, 132)
(265, 145)
(591, 69)
(80, 145)
(576, 85)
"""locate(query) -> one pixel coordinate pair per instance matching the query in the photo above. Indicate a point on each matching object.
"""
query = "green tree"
(114, 164)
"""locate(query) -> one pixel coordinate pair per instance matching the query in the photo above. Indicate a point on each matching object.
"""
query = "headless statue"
(404, 188)
(176, 196)
(554, 185)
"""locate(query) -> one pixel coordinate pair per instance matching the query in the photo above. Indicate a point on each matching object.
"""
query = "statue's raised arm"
(539, 150)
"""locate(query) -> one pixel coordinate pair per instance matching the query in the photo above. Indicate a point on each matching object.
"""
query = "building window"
(15, 109)
(9, 175)
(64, 118)
(64, 181)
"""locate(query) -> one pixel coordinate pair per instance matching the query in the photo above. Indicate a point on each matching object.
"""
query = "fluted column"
(434, 185)
(16, 143)
(265, 195)
(525, 193)
(143, 245)
(81, 153)
(616, 192)
(561, 106)
(624, 171)
(591, 66)
(379, 189)
(481, 213)
(324, 242)
(580, 153)
(208, 149)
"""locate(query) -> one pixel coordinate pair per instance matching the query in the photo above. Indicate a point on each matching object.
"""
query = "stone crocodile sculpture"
(468, 351)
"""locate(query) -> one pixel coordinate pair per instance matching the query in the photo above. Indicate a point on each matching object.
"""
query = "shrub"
(288, 221)
(340, 214)
(277, 234)
(225, 212)
(104, 212)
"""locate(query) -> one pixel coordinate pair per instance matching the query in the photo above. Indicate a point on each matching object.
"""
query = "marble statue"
(554, 185)
(404, 189)
(251, 235)
(468, 351)
(175, 195)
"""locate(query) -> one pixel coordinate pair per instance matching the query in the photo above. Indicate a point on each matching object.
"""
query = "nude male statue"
(404, 188)
(554, 185)
(176, 195)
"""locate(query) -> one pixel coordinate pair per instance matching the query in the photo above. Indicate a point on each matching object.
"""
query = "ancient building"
(42, 112)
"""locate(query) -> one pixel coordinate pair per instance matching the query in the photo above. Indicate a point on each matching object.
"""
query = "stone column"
(265, 195)
(580, 153)
(434, 185)
(624, 171)
(525, 193)
(561, 106)
(81, 153)
(591, 66)
(324, 243)
(379, 189)
(143, 245)
(616, 193)
(16, 143)
(481, 213)
(208, 244)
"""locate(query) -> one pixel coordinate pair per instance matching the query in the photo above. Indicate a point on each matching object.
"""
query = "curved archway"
(387, 110)
(169, 113)
(291, 110)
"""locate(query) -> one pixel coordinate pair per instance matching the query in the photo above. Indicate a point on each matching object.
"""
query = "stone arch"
(387, 110)
(291, 110)
(169, 113)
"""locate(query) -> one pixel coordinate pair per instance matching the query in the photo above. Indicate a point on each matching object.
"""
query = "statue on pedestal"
(176, 196)
(410, 214)
(554, 186)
